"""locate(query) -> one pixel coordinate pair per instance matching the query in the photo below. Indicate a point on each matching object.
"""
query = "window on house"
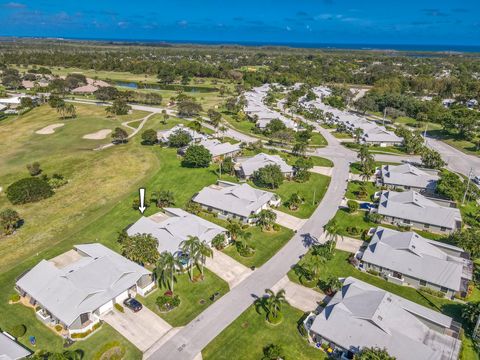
(443, 228)
(423, 283)
(406, 221)
(83, 318)
(443, 289)
(426, 226)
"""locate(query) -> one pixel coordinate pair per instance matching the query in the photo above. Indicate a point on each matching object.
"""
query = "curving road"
(191, 339)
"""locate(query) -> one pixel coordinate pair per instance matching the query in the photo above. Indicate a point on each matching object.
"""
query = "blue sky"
(266, 21)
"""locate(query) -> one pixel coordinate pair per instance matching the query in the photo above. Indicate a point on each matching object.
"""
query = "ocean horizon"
(326, 46)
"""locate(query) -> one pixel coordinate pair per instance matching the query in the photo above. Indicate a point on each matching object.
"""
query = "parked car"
(133, 304)
(476, 180)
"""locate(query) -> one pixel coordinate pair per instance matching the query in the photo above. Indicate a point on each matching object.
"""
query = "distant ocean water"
(337, 46)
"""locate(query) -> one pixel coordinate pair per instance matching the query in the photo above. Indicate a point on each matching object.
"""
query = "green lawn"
(246, 337)
(266, 243)
(355, 186)
(312, 191)
(194, 296)
(341, 135)
(317, 140)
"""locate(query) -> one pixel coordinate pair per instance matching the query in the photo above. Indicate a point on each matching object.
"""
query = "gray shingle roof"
(82, 286)
(408, 175)
(163, 135)
(239, 199)
(410, 205)
(250, 165)
(361, 315)
(10, 349)
(217, 148)
(413, 255)
(175, 229)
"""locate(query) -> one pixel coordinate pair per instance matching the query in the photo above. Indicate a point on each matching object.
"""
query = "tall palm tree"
(191, 247)
(204, 250)
(358, 132)
(265, 219)
(166, 268)
(333, 232)
(234, 228)
(61, 109)
(274, 302)
(70, 110)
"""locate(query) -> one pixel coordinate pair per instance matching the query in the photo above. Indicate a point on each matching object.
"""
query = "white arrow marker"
(142, 207)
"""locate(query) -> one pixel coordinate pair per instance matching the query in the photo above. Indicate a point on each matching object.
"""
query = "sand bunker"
(99, 135)
(50, 129)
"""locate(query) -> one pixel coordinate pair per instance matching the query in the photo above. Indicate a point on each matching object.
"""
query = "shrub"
(14, 298)
(276, 227)
(17, 330)
(433, 292)
(34, 168)
(375, 218)
(197, 156)
(119, 307)
(56, 181)
(86, 333)
(9, 221)
(28, 190)
(167, 303)
(245, 250)
(373, 272)
(58, 327)
(149, 137)
(352, 206)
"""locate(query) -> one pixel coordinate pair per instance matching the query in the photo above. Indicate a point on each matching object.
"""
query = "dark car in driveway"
(133, 304)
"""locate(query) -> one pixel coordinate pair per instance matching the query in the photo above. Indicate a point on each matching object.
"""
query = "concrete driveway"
(142, 329)
(227, 268)
(299, 296)
(289, 221)
(322, 170)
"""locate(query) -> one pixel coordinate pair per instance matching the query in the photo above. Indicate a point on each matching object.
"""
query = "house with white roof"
(407, 177)
(406, 258)
(361, 315)
(245, 167)
(164, 135)
(174, 226)
(235, 201)
(220, 149)
(412, 209)
(76, 288)
(10, 349)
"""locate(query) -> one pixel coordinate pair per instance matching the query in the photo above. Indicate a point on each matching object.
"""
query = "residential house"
(11, 349)
(85, 89)
(163, 135)
(76, 288)
(361, 315)
(448, 102)
(235, 201)
(406, 258)
(407, 177)
(173, 227)
(472, 103)
(220, 150)
(412, 209)
(245, 167)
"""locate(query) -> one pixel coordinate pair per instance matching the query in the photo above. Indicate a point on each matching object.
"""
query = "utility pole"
(314, 195)
(425, 134)
(470, 174)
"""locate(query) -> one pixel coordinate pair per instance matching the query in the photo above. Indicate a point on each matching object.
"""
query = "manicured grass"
(355, 186)
(266, 243)
(246, 337)
(312, 191)
(194, 296)
(339, 266)
(340, 135)
(317, 140)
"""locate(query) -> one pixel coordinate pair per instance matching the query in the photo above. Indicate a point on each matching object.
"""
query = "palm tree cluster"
(169, 264)
(272, 304)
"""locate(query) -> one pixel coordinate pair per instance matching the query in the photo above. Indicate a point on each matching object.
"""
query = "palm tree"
(358, 132)
(222, 129)
(294, 201)
(265, 219)
(61, 109)
(300, 148)
(191, 247)
(70, 110)
(166, 268)
(234, 228)
(274, 302)
(165, 116)
(332, 229)
(204, 250)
